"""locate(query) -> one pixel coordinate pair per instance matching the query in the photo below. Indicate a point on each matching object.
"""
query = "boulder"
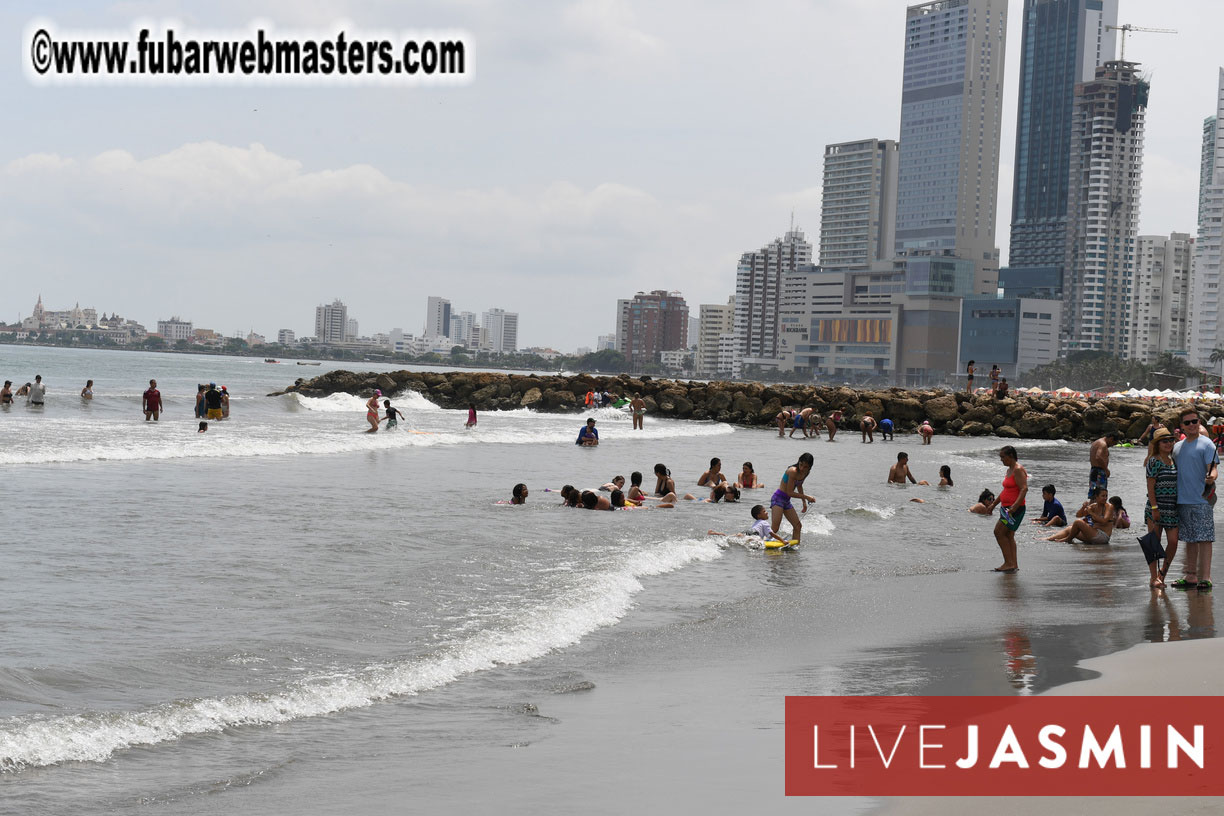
(1007, 432)
(974, 428)
(941, 409)
(904, 409)
(1035, 425)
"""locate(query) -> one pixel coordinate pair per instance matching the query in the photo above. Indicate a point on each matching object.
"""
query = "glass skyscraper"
(1062, 43)
(951, 112)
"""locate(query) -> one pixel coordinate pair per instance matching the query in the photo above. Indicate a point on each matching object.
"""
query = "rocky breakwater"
(757, 404)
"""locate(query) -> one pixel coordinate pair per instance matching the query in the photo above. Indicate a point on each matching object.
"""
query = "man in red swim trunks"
(151, 402)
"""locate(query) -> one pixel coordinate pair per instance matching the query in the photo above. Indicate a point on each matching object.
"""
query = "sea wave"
(870, 511)
(596, 600)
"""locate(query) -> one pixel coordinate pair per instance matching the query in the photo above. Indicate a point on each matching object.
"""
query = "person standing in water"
(224, 402)
(867, 426)
(831, 423)
(587, 435)
(1098, 462)
(392, 413)
(471, 420)
(1011, 513)
(6, 393)
(791, 487)
(87, 391)
(151, 402)
(372, 411)
(638, 406)
(38, 391)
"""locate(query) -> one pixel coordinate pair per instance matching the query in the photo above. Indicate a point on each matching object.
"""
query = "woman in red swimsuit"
(1015, 487)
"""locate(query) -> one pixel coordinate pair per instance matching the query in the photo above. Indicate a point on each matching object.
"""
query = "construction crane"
(1126, 29)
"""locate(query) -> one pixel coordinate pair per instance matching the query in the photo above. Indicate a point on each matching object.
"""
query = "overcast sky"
(603, 147)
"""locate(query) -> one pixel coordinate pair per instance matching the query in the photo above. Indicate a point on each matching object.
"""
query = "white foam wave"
(339, 402)
(872, 510)
(599, 599)
(819, 524)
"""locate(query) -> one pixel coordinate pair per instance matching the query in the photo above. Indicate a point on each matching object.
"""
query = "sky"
(602, 147)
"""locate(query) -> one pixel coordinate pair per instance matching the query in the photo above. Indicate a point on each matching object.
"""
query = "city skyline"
(250, 204)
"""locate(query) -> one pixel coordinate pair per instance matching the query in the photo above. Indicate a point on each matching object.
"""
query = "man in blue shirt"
(1052, 513)
(1197, 469)
(587, 435)
(886, 429)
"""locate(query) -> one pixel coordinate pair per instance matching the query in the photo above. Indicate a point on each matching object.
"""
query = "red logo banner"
(1004, 746)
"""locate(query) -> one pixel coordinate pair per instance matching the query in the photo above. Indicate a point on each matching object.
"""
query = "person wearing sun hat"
(372, 411)
(1160, 512)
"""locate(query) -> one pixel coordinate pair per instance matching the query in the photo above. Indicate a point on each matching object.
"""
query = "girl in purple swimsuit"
(791, 488)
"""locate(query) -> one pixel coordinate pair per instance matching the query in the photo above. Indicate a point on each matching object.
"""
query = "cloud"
(233, 234)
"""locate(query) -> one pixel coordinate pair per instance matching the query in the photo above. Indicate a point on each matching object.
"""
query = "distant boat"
(270, 360)
(301, 363)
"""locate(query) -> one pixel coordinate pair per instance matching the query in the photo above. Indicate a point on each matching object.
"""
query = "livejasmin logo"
(1042, 746)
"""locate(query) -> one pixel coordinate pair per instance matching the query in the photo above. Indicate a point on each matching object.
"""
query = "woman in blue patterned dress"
(1161, 509)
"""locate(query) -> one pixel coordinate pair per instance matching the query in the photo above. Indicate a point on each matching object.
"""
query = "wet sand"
(1156, 669)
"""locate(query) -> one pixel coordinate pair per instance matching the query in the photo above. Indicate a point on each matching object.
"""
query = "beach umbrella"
(1065, 391)
(1134, 392)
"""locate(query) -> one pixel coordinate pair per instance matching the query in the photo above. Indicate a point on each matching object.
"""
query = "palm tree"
(1217, 356)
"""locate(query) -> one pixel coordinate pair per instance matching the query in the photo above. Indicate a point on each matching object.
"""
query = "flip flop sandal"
(1182, 583)
(1204, 585)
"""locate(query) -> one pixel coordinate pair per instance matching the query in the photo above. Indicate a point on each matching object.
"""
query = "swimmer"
(1123, 522)
(588, 437)
(867, 426)
(519, 494)
(638, 406)
(203, 428)
(898, 473)
(831, 423)
(945, 476)
(784, 417)
(748, 479)
(664, 483)
(372, 411)
(617, 483)
(24, 391)
(593, 501)
(926, 431)
(800, 422)
(984, 504)
(567, 494)
(87, 391)
(1099, 531)
(791, 487)
(712, 476)
(760, 525)
(635, 493)
(617, 497)
(151, 402)
(6, 393)
(722, 492)
(1052, 512)
(392, 413)
(471, 420)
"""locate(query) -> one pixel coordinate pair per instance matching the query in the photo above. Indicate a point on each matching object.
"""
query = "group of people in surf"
(376, 415)
(1180, 470)
(34, 392)
(809, 422)
(722, 489)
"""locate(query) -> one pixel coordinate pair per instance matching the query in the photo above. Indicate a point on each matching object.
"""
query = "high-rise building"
(1062, 43)
(758, 297)
(331, 322)
(858, 211)
(1103, 210)
(951, 115)
(351, 330)
(1205, 322)
(437, 317)
(462, 328)
(714, 320)
(650, 323)
(174, 329)
(286, 337)
(606, 342)
(502, 328)
(1161, 294)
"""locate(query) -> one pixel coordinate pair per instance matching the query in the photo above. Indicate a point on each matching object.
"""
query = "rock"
(530, 397)
(1007, 432)
(975, 428)
(941, 409)
(1034, 425)
(387, 385)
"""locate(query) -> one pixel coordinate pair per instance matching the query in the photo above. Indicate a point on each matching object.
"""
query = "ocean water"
(286, 614)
